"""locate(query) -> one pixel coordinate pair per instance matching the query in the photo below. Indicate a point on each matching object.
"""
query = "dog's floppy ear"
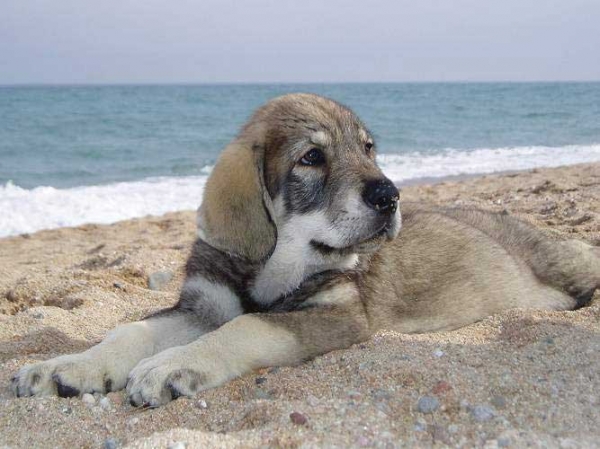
(236, 211)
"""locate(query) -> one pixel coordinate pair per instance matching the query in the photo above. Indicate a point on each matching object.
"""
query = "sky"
(247, 41)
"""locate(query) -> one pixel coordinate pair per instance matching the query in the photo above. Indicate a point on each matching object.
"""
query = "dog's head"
(302, 164)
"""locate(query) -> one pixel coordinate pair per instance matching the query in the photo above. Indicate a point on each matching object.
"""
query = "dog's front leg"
(203, 307)
(105, 367)
(334, 319)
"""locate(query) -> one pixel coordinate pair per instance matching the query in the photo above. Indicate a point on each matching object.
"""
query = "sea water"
(98, 154)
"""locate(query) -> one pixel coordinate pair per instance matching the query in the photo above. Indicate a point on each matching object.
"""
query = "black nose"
(381, 195)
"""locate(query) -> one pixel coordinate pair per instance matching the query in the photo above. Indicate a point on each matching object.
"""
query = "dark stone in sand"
(156, 281)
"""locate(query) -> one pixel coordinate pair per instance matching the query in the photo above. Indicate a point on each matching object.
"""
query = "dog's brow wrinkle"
(320, 138)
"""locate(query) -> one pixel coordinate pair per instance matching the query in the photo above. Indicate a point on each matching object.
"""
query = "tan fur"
(232, 216)
(441, 273)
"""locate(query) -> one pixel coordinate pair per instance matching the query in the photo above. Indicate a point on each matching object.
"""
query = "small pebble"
(105, 403)
(201, 404)
(67, 410)
(482, 413)
(118, 285)
(453, 428)
(428, 404)
(503, 442)
(259, 393)
(363, 441)
(438, 433)
(111, 443)
(260, 380)
(384, 408)
(498, 402)
(441, 387)
(133, 422)
(353, 394)
(312, 400)
(298, 418)
(177, 445)
(156, 281)
(420, 426)
(438, 353)
(115, 398)
(88, 399)
(381, 395)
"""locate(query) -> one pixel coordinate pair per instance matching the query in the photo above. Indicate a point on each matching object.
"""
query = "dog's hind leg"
(570, 266)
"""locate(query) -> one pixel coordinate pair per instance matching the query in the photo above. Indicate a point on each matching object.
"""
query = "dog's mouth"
(366, 245)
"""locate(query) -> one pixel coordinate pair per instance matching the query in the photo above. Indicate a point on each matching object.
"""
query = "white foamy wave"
(452, 162)
(25, 211)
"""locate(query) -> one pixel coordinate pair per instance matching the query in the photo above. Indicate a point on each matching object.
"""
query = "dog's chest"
(289, 266)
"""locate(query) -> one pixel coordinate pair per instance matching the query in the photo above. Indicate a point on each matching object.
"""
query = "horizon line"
(281, 83)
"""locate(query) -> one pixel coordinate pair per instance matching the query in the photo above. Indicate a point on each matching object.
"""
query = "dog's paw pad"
(64, 390)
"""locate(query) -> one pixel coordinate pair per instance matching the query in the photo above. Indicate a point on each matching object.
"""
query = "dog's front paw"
(67, 376)
(157, 380)
(34, 379)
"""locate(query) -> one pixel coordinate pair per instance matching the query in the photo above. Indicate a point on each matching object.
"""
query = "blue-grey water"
(77, 154)
(70, 136)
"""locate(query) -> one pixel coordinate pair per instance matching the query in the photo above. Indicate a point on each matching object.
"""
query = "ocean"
(98, 154)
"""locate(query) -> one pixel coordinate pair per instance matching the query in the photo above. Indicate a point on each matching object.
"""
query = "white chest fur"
(294, 259)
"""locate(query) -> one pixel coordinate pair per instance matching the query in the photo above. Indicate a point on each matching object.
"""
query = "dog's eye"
(368, 147)
(313, 157)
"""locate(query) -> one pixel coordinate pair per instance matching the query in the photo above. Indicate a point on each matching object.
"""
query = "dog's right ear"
(236, 211)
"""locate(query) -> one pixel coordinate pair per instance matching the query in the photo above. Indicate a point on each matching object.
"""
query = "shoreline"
(414, 182)
(521, 377)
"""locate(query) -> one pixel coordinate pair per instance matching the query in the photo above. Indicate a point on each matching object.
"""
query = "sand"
(520, 378)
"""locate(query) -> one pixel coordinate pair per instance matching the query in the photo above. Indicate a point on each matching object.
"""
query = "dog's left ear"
(236, 211)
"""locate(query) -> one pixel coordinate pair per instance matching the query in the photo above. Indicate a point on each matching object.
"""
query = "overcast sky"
(208, 41)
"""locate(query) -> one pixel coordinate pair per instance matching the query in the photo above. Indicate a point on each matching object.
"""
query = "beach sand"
(520, 378)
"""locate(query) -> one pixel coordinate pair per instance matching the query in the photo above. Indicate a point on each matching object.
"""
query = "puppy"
(298, 253)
